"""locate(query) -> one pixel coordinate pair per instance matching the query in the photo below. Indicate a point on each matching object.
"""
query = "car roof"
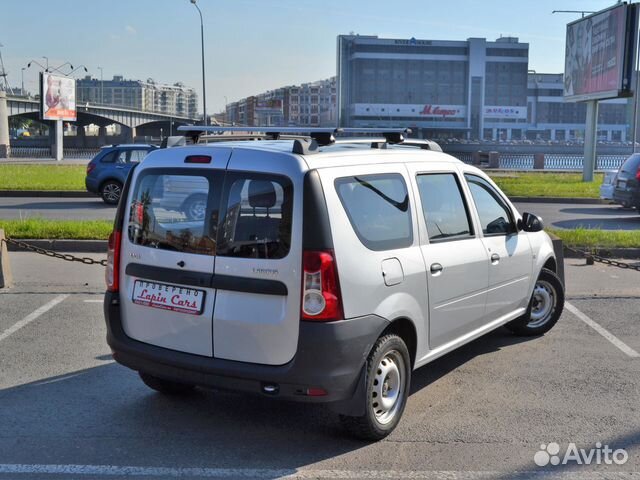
(129, 145)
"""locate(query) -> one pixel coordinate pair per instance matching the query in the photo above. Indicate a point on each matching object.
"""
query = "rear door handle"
(436, 268)
(495, 258)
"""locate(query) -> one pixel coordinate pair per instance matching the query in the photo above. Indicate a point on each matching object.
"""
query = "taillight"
(638, 174)
(112, 273)
(198, 159)
(320, 287)
(90, 168)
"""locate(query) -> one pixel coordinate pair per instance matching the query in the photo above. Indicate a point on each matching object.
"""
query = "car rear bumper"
(624, 196)
(330, 356)
(91, 184)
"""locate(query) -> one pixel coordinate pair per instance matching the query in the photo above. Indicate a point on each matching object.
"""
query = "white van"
(320, 269)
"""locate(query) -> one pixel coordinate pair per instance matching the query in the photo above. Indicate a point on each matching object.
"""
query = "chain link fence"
(45, 152)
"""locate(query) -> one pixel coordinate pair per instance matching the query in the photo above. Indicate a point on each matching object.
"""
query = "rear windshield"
(206, 212)
(631, 164)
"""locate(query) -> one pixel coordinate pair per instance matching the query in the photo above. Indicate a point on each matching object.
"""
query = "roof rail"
(308, 140)
(323, 136)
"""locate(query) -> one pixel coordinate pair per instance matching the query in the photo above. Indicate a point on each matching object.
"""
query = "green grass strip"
(594, 239)
(57, 229)
(42, 177)
(538, 184)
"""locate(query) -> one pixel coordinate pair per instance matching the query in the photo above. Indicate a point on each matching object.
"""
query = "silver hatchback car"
(318, 270)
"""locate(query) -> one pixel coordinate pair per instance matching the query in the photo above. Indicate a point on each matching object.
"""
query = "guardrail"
(44, 152)
(550, 161)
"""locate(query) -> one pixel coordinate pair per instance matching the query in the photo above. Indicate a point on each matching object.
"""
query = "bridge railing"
(43, 152)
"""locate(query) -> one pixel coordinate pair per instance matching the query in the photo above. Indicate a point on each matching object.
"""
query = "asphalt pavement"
(559, 215)
(68, 411)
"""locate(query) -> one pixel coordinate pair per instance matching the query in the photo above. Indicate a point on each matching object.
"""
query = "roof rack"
(308, 140)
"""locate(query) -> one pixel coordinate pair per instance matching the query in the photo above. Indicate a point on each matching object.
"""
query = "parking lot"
(68, 411)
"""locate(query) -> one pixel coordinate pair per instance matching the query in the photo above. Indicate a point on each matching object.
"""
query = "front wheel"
(545, 307)
(388, 377)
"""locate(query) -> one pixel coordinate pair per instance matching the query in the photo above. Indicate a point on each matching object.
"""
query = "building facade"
(150, 96)
(309, 105)
(473, 89)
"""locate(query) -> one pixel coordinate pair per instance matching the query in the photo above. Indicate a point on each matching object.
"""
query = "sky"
(255, 45)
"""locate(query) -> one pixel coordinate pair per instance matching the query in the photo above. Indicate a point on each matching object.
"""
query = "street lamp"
(101, 87)
(47, 59)
(22, 76)
(57, 69)
(204, 88)
(78, 68)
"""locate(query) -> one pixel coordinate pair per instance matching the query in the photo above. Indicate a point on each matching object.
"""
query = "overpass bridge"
(133, 122)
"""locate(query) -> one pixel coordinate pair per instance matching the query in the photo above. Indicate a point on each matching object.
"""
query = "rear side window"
(631, 164)
(257, 216)
(175, 210)
(137, 155)
(378, 209)
(445, 212)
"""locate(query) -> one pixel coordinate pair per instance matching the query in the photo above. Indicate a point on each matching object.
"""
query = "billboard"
(273, 106)
(599, 55)
(498, 112)
(57, 97)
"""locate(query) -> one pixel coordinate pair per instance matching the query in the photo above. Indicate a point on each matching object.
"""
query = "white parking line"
(94, 301)
(293, 473)
(603, 331)
(32, 316)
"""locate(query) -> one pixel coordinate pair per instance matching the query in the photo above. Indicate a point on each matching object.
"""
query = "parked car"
(108, 170)
(318, 273)
(608, 184)
(627, 187)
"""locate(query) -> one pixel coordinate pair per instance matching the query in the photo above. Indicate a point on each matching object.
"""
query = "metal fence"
(552, 161)
(45, 152)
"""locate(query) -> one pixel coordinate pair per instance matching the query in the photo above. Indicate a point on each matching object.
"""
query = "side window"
(110, 157)
(445, 212)
(122, 157)
(378, 209)
(495, 216)
(258, 216)
(137, 155)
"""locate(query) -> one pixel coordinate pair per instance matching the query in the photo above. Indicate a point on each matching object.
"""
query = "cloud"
(129, 29)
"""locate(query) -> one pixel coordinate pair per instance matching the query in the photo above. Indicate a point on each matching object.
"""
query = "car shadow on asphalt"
(619, 223)
(601, 210)
(107, 409)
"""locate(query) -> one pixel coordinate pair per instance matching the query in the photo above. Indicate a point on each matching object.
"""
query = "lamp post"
(204, 88)
(101, 87)
(47, 59)
(22, 77)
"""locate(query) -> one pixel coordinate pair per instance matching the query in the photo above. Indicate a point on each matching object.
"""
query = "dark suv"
(108, 170)
(626, 190)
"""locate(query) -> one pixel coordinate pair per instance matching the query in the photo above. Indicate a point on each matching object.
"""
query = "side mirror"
(530, 223)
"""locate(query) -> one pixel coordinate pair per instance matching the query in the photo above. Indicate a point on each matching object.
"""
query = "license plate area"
(622, 184)
(168, 297)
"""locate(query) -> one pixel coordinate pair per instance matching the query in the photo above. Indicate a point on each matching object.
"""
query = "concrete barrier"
(6, 279)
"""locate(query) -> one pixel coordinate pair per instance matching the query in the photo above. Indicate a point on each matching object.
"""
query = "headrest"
(261, 194)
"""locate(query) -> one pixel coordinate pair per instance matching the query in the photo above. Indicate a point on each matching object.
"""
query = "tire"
(195, 207)
(388, 370)
(545, 307)
(165, 386)
(110, 192)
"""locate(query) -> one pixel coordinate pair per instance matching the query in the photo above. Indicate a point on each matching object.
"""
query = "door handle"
(436, 268)
(495, 258)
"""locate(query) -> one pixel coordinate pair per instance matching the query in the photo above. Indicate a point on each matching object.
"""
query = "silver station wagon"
(318, 269)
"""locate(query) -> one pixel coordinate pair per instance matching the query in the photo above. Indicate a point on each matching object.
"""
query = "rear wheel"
(167, 387)
(545, 307)
(111, 191)
(388, 377)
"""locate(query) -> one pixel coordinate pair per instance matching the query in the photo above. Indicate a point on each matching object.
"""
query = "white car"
(320, 270)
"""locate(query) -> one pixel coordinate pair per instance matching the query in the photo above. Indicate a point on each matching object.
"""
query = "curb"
(76, 246)
(626, 253)
(587, 201)
(47, 193)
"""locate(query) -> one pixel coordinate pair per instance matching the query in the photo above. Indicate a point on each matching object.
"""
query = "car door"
(510, 255)
(455, 258)
(168, 259)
